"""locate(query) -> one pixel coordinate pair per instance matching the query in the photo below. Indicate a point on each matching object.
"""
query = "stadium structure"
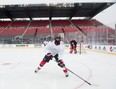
(32, 23)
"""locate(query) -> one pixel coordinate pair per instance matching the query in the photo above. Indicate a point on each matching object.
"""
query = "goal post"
(80, 48)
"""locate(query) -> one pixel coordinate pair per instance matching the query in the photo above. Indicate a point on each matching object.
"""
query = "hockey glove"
(61, 63)
(49, 56)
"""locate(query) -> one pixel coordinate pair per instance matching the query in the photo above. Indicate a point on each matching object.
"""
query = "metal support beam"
(7, 13)
(115, 34)
(74, 11)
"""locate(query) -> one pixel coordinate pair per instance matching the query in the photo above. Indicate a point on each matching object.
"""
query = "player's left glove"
(61, 63)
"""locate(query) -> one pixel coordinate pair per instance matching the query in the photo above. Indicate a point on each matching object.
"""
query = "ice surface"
(17, 70)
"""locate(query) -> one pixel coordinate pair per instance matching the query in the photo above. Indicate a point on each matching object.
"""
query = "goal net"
(81, 48)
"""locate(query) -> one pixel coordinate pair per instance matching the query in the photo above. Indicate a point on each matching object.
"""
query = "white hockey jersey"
(55, 49)
(45, 43)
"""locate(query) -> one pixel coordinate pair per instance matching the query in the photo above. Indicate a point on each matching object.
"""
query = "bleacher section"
(30, 28)
(70, 29)
(12, 32)
(39, 23)
(43, 30)
(4, 23)
(61, 23)
(57, 30)
(83, 22)
(19, 23)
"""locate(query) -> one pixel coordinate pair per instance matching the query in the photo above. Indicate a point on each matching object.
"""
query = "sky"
(107, 17)
(49, 1)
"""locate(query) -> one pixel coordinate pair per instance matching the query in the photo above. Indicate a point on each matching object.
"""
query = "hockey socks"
(66, 72)
(42, 63)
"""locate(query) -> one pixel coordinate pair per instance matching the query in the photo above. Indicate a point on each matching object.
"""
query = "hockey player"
(73, 46)
(47, 40)
(55, 50)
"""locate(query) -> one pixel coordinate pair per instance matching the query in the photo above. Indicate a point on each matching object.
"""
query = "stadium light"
(80, 4)
(2, 6)
(61, 4)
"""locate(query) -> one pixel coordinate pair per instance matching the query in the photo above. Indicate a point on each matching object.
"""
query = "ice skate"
(37, 70)
(66, 74)
(71, 52)
(75, 52)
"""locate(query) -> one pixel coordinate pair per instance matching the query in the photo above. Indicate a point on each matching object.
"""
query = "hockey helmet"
(57, 40)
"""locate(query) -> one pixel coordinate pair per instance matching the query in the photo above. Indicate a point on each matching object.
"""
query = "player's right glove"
(49, 56)
(61, 63)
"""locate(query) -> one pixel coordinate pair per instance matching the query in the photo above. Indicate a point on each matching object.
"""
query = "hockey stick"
(78, 76)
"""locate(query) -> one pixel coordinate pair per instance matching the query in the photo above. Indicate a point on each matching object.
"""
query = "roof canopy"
(51, 10)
